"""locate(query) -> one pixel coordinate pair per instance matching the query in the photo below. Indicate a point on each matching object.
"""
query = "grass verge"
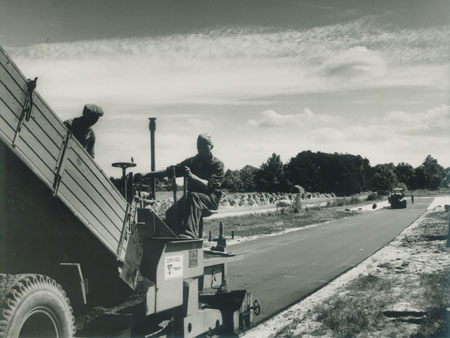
(267, 223)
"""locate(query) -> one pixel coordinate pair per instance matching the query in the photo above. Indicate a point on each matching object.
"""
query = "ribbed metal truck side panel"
(84, 188)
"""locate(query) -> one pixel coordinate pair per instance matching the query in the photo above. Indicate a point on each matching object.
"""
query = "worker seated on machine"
(204, 174)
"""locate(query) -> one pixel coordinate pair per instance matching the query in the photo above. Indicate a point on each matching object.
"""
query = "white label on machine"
(173, 267)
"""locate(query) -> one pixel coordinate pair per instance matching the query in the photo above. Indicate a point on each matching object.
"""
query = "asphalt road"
(281, 270)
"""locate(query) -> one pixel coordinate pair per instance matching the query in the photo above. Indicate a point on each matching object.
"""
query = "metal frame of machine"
(94, 234)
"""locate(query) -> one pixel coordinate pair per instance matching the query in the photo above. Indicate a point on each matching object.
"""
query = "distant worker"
(81, 126)
(204, 173)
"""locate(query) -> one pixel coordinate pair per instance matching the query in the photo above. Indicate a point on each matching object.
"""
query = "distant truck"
(397, 199)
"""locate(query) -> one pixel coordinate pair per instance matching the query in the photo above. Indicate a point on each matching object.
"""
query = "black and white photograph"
(224, 168)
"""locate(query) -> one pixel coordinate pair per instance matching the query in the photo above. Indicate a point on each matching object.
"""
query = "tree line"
(343, 174)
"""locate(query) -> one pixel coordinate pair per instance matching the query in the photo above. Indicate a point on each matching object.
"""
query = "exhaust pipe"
(152, 127)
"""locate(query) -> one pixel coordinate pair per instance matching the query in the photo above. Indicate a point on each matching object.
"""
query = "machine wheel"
(34, 306)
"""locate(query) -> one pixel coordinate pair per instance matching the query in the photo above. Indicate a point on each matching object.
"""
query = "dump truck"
(76, 254)
(397, 199)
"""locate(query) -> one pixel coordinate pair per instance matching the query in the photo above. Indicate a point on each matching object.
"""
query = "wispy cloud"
(272, 119)
(394, 136)
(243, 67)
(432, 122)
(235, 65)
(199, 123)
(355, 63)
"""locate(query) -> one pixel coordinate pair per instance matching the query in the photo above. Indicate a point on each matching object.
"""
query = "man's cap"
(92, 110)
(205, 138)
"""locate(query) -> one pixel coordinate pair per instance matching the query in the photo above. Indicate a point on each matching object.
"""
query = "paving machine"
(397, 199)
(77, 255)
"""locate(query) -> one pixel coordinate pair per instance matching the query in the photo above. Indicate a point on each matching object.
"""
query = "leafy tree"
(430, 175)
(304, 170)
(247, 175)
(447, 177)
(342, 174)
(405, 174)
(383, 178)
(240, 180)
(232, 181)
(270, 177)
(355, 175)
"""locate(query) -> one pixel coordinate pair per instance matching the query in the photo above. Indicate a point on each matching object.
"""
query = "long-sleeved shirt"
(85, 136)
(211, 169)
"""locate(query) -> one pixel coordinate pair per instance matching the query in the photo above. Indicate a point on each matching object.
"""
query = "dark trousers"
(184, 217)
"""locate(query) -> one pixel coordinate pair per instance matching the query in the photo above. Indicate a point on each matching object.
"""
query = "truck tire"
(34, 306)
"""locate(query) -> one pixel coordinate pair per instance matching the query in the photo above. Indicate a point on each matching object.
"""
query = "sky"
(368, 78)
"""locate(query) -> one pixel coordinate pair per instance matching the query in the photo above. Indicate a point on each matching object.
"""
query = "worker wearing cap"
(81, 126)
(204, 173)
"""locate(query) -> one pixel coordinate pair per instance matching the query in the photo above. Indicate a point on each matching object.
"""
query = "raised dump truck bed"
(43, 143)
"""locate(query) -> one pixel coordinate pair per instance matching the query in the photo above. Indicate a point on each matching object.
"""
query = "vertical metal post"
(152, 127)
(447, 208)
(185, 180)
(124, 177)
(174, 188)
(124, 166)
(220, 229)
(174, 185)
